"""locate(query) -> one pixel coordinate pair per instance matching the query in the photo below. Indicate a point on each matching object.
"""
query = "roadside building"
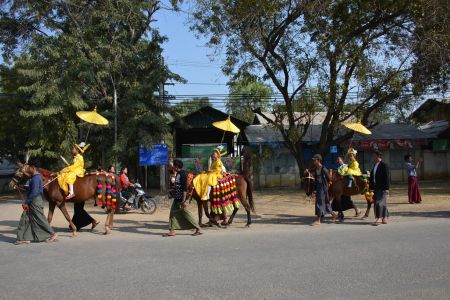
(433, 118)
(279, 168)
(193, 132)
(7, 170)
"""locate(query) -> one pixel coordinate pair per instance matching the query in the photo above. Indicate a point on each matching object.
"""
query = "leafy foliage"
(361, 55)
(74, 55)
(247, 94)
(186, 107)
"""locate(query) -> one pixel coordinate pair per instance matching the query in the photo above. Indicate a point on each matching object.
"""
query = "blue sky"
(187, 56)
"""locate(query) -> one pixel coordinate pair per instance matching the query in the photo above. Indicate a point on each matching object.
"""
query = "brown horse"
(338, 188)
(85, 189)
(244, 194)
(244, 190)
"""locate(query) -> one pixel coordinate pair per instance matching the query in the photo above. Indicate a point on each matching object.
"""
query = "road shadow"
(5, 234)
(443, 214)
(284, 219)
(140, 227)
(11, 201)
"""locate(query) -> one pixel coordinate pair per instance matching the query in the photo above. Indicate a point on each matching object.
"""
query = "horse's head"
(308, 182)
(21, 176)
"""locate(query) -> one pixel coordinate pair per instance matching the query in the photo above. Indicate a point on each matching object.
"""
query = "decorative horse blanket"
(223, 196)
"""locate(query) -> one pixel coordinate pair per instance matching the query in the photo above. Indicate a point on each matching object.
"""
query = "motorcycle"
(136, 197)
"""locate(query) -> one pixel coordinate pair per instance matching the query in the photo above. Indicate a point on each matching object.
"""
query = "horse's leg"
(111, 219)
(63, 209)
(209, 214)
(205, 208)
(108, 222)
(200, 211)
(247, 209)
(366, 214)
(339, 205)
(224, 217)
(230, 220)
(51, 210)
(246, 205)
(249, 217)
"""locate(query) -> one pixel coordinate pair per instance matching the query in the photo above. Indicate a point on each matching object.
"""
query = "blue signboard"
(158, 155)
(333, 149)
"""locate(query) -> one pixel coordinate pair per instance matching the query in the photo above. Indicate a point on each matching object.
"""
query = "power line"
(199, 83)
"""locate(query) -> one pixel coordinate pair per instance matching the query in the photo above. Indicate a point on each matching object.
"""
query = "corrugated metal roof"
(267, 134)
(435, 127)
(429, 104)
(394, 131)
(204, 117)
(317, 118)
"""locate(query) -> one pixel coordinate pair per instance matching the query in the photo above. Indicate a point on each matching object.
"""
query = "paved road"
(402, 260)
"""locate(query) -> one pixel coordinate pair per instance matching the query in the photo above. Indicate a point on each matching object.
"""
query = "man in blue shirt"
(33, 225)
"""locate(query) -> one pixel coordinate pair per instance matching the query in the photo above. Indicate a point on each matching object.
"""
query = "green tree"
(339, 46)
(247, 94)
(75, 55)
(186, 107)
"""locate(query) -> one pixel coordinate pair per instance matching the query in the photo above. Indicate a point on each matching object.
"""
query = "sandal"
(52, 239)
(94, 224)
(21, 242)
(168, 234)
(315, 223)
(197, 233)
(384, 221)
(70, 196)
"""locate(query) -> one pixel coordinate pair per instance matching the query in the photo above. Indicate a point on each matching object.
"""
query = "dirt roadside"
(274, 207)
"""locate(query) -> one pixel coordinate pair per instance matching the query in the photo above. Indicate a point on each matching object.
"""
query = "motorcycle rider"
(126, 184)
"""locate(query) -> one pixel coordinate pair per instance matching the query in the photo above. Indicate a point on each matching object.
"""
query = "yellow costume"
(69, 174)
(353, 165)
(353, 169)
(202, 181)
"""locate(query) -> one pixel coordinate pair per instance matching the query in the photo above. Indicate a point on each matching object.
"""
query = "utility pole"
(162, 168)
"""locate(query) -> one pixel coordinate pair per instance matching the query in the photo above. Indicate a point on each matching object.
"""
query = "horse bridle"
(309, 175)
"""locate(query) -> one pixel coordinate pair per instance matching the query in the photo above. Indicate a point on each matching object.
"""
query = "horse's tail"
(250, 193)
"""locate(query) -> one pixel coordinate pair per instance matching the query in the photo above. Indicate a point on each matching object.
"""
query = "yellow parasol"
(226, 125)
(92, 117)
(358, 127)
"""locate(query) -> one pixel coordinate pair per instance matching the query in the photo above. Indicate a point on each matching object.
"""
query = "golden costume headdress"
(82, 147)
(352, 151)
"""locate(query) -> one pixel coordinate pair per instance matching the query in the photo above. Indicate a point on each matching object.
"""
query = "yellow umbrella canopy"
(92, 117)
(227, 125)
(358, 127)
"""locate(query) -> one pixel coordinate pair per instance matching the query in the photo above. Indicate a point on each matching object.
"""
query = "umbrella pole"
(223, 136)
(350, 144)
(89, 129)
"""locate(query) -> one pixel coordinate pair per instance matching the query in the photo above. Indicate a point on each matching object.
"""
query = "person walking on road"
(322, 178)
(379, 183)
(413, 183)
(180, 218)
(81, 217)
(33, 225)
